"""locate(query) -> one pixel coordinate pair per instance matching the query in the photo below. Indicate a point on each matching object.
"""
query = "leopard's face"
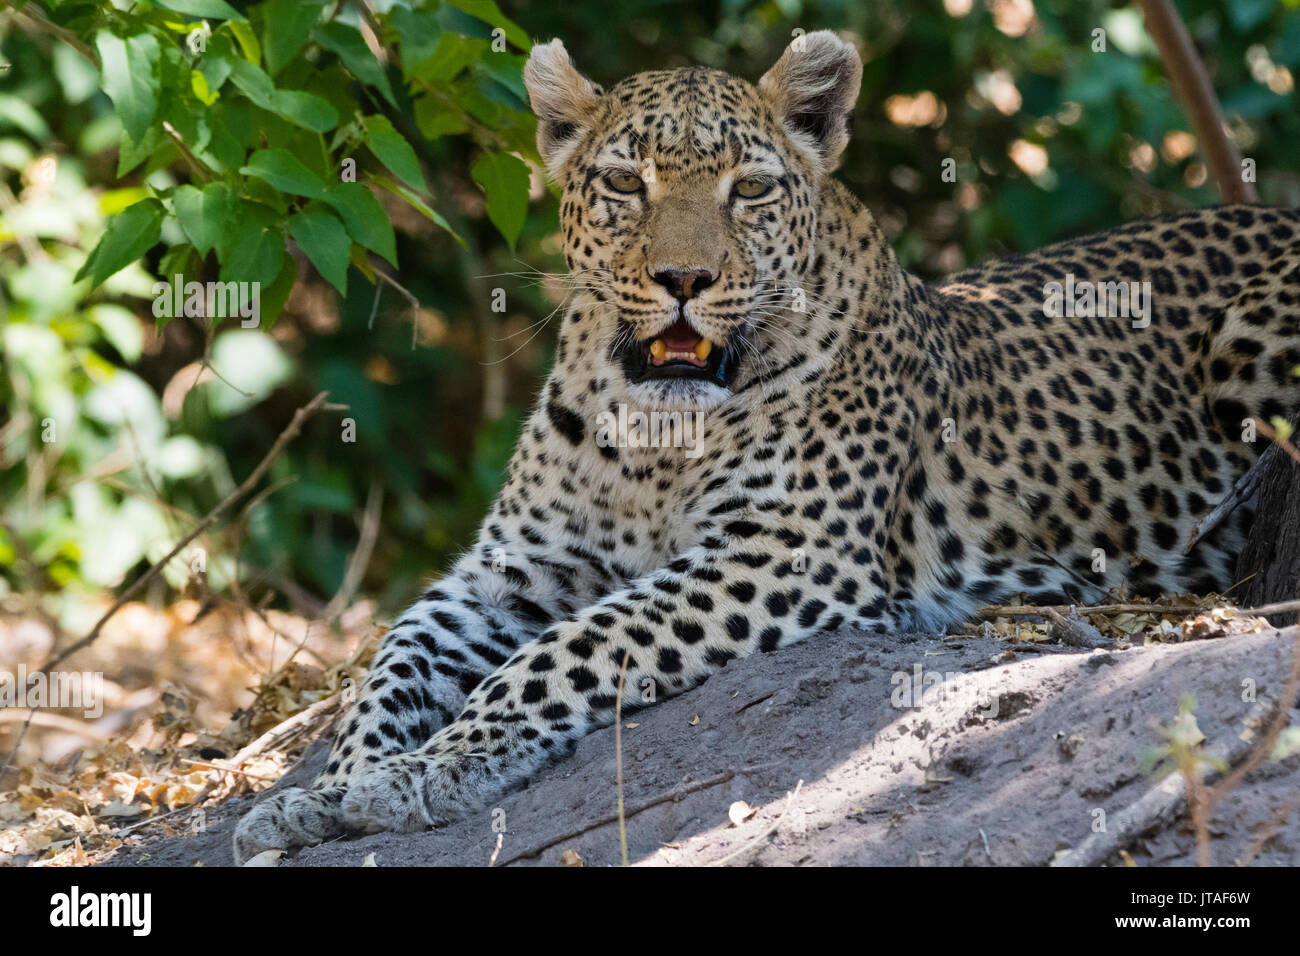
(689, 215)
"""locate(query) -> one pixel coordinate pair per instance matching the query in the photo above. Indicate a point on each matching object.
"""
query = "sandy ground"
(951, 782)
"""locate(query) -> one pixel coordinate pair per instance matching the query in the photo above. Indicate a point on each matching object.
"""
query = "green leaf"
(347, 44)
(130, 234)
(215, 64)
(418, 34)
(287, 24)
(453, 54)
(285, 172)
(302, 109)
(435, 118)
(252, 247)
(365, 219)
(199, 87)
(489, 12)
(418, 204)
(505, 180)
(394, 151)
(218, 9)
(305, 110)
(323, 239)
(205, 215)
(129, 73)
(274, 296)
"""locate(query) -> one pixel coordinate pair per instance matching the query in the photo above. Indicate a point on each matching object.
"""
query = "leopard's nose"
(685, 283)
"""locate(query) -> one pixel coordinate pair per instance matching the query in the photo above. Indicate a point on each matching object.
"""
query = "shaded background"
(1050, 140)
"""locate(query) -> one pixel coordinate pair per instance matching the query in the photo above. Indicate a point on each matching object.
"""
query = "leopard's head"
(689, 213)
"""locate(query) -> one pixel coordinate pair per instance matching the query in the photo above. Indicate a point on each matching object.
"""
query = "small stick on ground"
(1159, 806)
(672, 795)
(1031, 610)
(1072, 630)
(1164, 802)
(1044, 610)
(287, 729)
(618, 757)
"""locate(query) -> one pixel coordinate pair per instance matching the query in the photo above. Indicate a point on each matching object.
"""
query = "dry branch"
(675, 794)
(1163, 803)
(1191, 83)
(290, 432)
(1241, 492)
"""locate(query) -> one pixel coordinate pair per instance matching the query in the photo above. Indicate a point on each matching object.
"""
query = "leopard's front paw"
(293, 817)
(409, 792)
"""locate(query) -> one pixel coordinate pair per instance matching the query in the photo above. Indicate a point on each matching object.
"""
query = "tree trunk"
(1271, 557)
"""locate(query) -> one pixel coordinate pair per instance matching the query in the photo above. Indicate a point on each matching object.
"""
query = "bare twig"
(290, 432)
(1267, 832)
(360, 559)
(39, 20)
(1045, 610)
(1164, 802)
(1071, 629)
(618, 757)
(1159, 805)
(1241, 492)
(299, 723)
(1030, 610)
(1257, 754)
(406, 294)
(672, 795)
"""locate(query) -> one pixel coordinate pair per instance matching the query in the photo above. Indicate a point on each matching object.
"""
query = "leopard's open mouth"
(678, 352)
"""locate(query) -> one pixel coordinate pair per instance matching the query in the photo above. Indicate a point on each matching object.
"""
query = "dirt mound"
(911, 749)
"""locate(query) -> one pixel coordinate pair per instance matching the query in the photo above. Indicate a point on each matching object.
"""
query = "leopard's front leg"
(428, 662)
(723, 600)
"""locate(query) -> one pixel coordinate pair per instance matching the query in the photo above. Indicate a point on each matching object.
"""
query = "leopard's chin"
(677, 395)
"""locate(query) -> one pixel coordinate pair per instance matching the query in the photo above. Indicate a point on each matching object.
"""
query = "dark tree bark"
(1271, 558)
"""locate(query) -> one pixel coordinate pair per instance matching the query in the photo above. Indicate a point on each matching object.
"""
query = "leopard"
(759, 428)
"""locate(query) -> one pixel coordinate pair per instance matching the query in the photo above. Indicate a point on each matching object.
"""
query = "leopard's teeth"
(658, 349)
(702, 349)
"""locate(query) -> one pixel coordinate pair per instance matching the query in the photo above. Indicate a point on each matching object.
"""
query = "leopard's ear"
(813, 88)
(563, 100)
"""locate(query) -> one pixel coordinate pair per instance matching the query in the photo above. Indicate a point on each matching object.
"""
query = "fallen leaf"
(739, 812)
(694, 720)
(571, 858)
(265, 858)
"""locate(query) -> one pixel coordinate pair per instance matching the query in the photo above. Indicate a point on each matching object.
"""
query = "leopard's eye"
(752, 188)
(624, 182)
